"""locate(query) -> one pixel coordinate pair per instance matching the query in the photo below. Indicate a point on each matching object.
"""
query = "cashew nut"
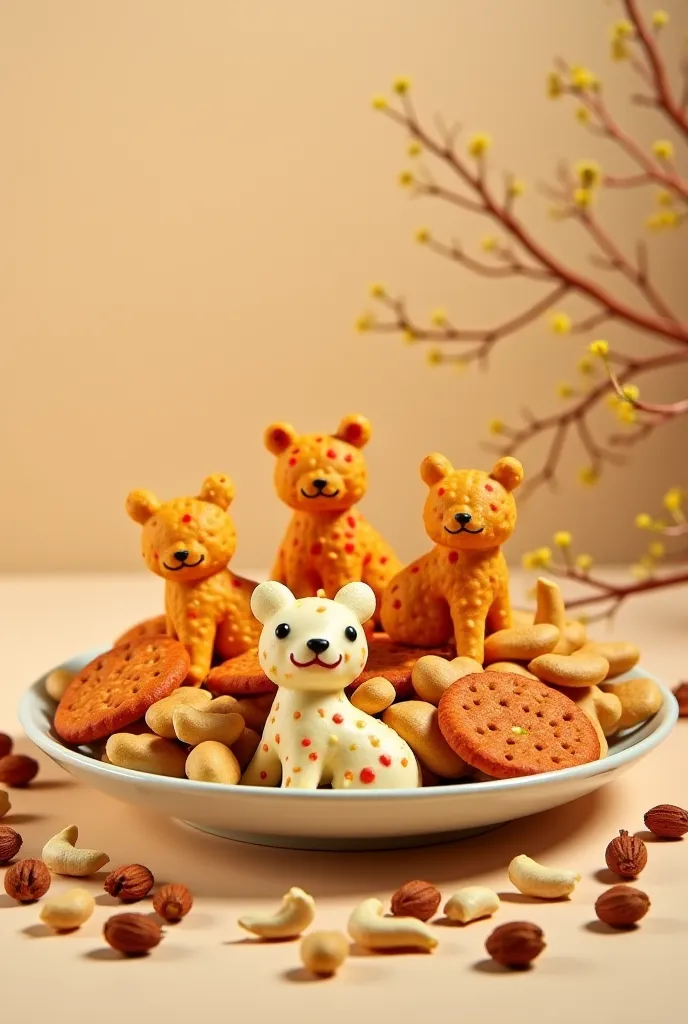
(295, 914)
(159, 715)
(640, 699)
(63, 857)
(68, 910)
(521, 643)
(577, 669)
(221, 705)
(432, 675)
(533, 879)
(5, 804)
(324, 952)
(192, 726)
(211, 761)
(56, 683)
(147, 753)
(416, 721)
(372, 930)
(621, 655)
(374, 696)
(471, 903)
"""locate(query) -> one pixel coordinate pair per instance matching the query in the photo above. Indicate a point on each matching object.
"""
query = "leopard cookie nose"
(181, 556)
(463, 517)
(320, 485)
(317, 646)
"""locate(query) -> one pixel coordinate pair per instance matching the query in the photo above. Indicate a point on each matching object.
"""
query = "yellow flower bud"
(560, 323)
(582, 197)
(414, 149)
(488, 243)
(583, 79)
(663, 149)
(496, 427)
(656, 549)
(673, 499)
(401, 85)
(587, 366)
(563, 539)
(588, 173)
(584, 562)
(438, 317)
(422, 236)
(582, 114)
(479, 144)
(643, 521)
(631, 392)
(543, 556)
(625, 412)
(516, 188)
(408, 337)
(565, 390)
(622, 29)
(379, 103)
(588, 476)
(660, 19)
(664, 198)
(377, 291)
(434, 357)
(364, 323)
(406, 179)
(528, 560)
(555, 86)
(619, 49)
(599, 348)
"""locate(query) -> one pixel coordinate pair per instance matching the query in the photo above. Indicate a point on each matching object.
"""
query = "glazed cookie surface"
(117, 688)
(509, 726)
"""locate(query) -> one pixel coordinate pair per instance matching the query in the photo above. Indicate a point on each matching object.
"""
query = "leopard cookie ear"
(434, 468)
(141, 505)
(278, 437)
(218, 490)
(508, 472)
(355, 430)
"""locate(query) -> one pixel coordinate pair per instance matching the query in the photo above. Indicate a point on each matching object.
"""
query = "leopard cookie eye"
(282, 631)
(350, 633)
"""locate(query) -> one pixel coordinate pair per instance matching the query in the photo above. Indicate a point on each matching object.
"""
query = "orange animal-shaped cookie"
(328, 543)
(189, 542)
(461, 587)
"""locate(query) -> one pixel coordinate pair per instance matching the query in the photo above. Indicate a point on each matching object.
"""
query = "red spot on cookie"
(263, 775)
(349, 535)
(331, 453)
(351, 521)
(348, 776)
(453, 556)
(265, 747)
(236, 582)
(316, 549)
(415, 568)
(396, 604)
(395, 588)
(186, 518)
(305, 742)
(386, 760)
(295, 451)
(384, 560)
(296, 542)
(368, 559)
(349, 548)
(335, 535)
(349, 458)
(404, 762)
(292, 462)
(493, 508)
(191, 614)
(318, 440)
(313, 756)
(337, 719)
(297, 714)
(489, 487)
(440, 491)
(367, 775)
(156, 556)
(277, 737)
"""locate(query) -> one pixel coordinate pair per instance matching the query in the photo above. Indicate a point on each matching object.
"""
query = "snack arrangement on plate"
(347, 670)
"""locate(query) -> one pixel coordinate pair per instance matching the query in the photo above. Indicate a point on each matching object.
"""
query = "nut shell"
(622, 906)
(416, 899)
(17, 770)
(626, 855)
(132, 934)
(129, 883)
(10, 844)
(27, 880)
(667, 821)
(172, 902)
(516, 944)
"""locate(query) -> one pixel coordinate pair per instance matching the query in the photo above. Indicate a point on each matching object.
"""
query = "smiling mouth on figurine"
(320, 494)
(464, 529)
(314, 661)
(184, 565)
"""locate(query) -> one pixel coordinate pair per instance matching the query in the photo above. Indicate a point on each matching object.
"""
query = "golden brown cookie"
(243, 675)
(118, 687)
(508, 726)
(149, 627)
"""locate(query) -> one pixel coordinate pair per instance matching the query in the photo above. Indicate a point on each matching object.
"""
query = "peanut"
(193, 726)
(57, 681)
(521, 644)
(68, 910)
(622, 656)
(213, 762)
(640, 699)
(570, 669)
(374, 696)
(147, 753)
(322, 952)
(159, 715)
(416, 722)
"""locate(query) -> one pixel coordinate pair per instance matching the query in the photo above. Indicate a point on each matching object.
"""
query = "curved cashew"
(61, 855)
(471, 903)
(194, 725)
(533, 879)
(69, 910)
(295, 914)
(369, 928)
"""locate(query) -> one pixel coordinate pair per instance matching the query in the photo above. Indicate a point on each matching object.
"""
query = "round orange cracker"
(508, 725)
(156, 626)
(243, 675)
(117, 688)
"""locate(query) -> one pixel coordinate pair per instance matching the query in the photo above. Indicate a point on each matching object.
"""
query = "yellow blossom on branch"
(488, 243)
(563, 539)
(626, 413)
(588, 476)
(588, 172)
(438, 317)
(656, 549)
(422, 236)
(434, 357)
(664, 198)
(643, 521)
(622, 29)
(406, 179)
(582, 114)
(584, 562)
(587, 366)
(673, 499)
(516, 188)
(660, 18)
(599, 348)
(379, 103)
(414, 149)
(560, 323)
(663, 149)
(663, 219)
(582, 198)
(555, 85)
(408, 337)
(631, 392)
(479, 144)
(583, 79)
(538, 559)
(565, 390)
(496, 427)
(401, 85)
(377, 291)
(365, 322)
(619, 49)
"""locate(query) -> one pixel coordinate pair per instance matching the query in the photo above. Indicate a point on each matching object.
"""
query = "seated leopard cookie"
(243, 675)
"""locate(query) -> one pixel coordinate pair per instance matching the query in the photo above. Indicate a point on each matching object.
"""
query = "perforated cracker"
(156, 626)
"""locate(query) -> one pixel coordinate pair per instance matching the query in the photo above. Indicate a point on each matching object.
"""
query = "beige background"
(195, 198)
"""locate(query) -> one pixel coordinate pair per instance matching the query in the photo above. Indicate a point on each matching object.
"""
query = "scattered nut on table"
(10, 844)
(471, 903)
(27, 880)
(63, 857)
(18, 770)
(667, 821)
(172, 902)
(416, 899)
(324, 952)
(130, 883)
(622, 906)
(372, 930)
(533, 879)
(132, 934)
(68, 910)
(626, 855)
(295, 914)
(516, 944)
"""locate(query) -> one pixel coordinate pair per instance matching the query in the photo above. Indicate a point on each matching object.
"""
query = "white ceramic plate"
(338, 820)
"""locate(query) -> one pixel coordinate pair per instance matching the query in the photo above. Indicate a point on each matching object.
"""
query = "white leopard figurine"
(313, 648)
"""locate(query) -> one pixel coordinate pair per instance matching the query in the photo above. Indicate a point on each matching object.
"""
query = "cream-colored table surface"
(206, 969)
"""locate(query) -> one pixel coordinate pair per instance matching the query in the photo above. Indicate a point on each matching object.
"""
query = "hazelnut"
(515, 944)
(667, 821)
(416, 899)
(10, 844)
(129, 883)
(132, 934)
(5, 744)
(681, 695)
(622, 906)
(626, 855)
(27, 880)
(173, 902)
(17, 770)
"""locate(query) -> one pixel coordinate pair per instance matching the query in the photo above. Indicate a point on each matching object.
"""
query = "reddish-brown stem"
(613, 592)
(665, 97)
